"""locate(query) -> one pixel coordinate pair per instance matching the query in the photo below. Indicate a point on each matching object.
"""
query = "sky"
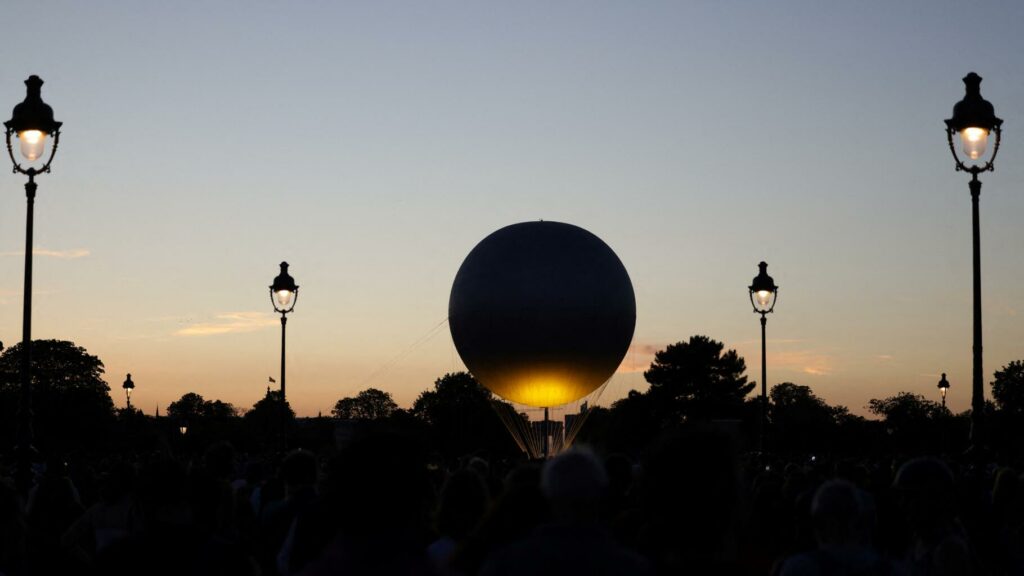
(373, 144)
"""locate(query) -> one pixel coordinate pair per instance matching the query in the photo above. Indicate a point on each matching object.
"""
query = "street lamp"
(763, 293)
(973, 121)
(31, 123)
(943, 388)
(283, 295)
(128, 387)
(183, 428)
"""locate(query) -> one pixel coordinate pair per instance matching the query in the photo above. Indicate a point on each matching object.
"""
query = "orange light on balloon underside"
(545, 391)
(542, 387)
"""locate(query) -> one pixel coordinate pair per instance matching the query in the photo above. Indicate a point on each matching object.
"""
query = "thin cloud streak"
(808, 362)
(231, 323)
(638, 358)
(742, 343)
(59, 254)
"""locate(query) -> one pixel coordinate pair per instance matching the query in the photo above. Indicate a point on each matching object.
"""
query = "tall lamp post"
(31, 123)
(763, 292)
(973, 120)
(128, 387)
(943, 388)
(283, 295)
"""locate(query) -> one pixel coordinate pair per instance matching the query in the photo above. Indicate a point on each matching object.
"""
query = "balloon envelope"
(542, 313)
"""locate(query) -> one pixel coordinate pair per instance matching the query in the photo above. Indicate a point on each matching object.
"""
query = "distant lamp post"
(183, 428)
(763, 293)
(128, 386)
(31, 123)
(283, 295)
(973, 121)
(943, 388)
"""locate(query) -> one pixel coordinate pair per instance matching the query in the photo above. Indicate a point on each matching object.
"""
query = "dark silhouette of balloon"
(542, 313)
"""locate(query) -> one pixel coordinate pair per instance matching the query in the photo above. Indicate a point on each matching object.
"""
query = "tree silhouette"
(462, 419)
(70, 400)
(697, 380)
(912, 422)
(370, 404)
(192, 407)
(218, 410)
(1008, 388)
(187, 408)
(630, 425)
(264, 419)
(904, 408)
(800, 420)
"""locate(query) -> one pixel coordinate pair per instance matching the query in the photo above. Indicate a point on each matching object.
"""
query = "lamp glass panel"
(284, 298)
(763, 299)
(32, 143)
(973, 141)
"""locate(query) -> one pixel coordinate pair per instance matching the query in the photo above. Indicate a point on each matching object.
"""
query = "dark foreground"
(383, 506)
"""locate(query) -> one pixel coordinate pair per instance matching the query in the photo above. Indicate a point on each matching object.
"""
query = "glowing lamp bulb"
(974, 141)
(284, 298)
(32, 142)
(763, 298)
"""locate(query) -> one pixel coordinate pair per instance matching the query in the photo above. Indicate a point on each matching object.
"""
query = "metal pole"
(23, 478)
(978, 390)
(545, 432)
(764, 386)
(284, 402)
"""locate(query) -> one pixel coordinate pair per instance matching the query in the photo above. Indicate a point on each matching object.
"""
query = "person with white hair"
(842, 516)
(575, 484)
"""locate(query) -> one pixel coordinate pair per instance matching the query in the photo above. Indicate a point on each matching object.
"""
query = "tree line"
(695, 380)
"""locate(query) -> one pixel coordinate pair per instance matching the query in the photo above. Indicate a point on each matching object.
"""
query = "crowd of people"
(383, 506)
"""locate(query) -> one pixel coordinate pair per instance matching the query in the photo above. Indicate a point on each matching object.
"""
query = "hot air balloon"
(542, 313)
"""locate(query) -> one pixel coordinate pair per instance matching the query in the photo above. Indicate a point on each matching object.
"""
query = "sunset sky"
(373, 144)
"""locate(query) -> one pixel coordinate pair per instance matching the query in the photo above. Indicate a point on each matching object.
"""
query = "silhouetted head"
(299, 469)
(925, 488)
(925, 474)
(117, 482)
(462, 505)
(574, 483)
(691, 474)
(480, 466)
(380, 483)
(54, 499)
(1006, 488)
(620, 474)
(219, 460)
(526, 475)
(161, 495)
(840, 514)
(519, 509)
(12, 529)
